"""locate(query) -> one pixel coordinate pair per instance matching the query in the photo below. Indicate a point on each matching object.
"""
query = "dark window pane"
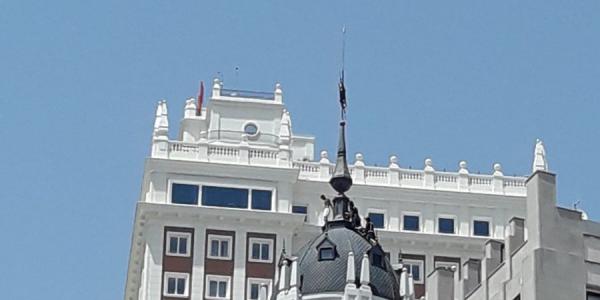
(224, 197)
(261, 200)
(298, 209)
(446, 225)
(255, 251)
(180, 286)
(212, 290)
(377, 219)
(224, 248)
(590, 296)
(264, 251)
(171, 286)
(222, 289)
(481, 228)
(416, 272)
(182, 245)
(254, 288)
(214, 248)
(173, 245)
(184, 194)
(377, 260)
(326, 254)
(411, 223)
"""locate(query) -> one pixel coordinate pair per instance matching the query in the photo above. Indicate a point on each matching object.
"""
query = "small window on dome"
(326, 253)
(251, 129)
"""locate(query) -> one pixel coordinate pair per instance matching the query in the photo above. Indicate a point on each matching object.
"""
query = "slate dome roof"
(318, 276)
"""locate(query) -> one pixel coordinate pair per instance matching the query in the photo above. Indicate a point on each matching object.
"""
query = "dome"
(328, 273)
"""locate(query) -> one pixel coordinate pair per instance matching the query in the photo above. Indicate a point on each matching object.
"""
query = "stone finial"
(190, 108)
(282, 275)
(429, 165)
(158, 115)
(324, 157)
(216, 89)
(278, 93)
(498, 170)
(350, 274)
(411, 287)
(359, 160)
(404, 283)
(365, 275)
(263, 294)
(285, 129)
(394, 162)
(294, 274)
(539, 160)
(462, 167)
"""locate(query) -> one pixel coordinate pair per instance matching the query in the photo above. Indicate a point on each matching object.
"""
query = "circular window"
(251, 129)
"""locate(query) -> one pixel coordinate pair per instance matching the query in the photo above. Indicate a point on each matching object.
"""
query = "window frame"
(186, 182)
(443, 216)
(176, 275)
(482, 219)
(260, 282)
(210, 237)
(415, 262)
(251, 136)
(378, 211)
(261, 241)
(411, 214)
(178, 234)
(441, 263)
(218, 278)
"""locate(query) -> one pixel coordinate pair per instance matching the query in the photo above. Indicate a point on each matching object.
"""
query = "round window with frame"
(251, 129)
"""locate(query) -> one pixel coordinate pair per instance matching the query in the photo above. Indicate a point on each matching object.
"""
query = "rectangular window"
(446, 225)
(219, 247)
(326, 253)
(377, 219)
(184, 194)
(261, 199)
(481, 228)
(224, 197)
(590, 296)
(261, 250)
(415, 268)
(176, 284)
(410, 223)
(217, 287)
(254, 285)
(299, 209)
(178, 243)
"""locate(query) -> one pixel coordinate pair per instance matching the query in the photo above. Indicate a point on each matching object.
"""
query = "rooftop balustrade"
(428, 178)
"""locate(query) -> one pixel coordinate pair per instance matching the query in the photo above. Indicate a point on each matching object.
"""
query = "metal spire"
(341, 181)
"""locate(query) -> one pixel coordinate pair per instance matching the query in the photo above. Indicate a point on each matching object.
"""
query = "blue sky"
(451, 80)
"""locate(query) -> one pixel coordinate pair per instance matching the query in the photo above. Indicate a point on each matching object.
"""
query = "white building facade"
(237, 187)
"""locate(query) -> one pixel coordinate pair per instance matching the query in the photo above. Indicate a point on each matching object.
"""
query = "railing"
(445, 181)
(361, 174)
(247, 94)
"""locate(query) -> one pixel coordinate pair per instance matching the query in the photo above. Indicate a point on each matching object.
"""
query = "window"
(184, 193)
(481, 228)
(590, 296)
(176, 284)
(178, 243)
(377, 260)
(260, 250)
(261, 199)
(377, 219)
(446, 225)
(327, 253)
(299, 209)
(224, 197)
(254, 285)
(217, 287)
(219, 247)
(251, 129)
(410, 223)
(415, 268)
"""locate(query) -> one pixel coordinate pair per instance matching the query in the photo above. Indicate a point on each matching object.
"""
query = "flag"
(200, 99)
(343, 102)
